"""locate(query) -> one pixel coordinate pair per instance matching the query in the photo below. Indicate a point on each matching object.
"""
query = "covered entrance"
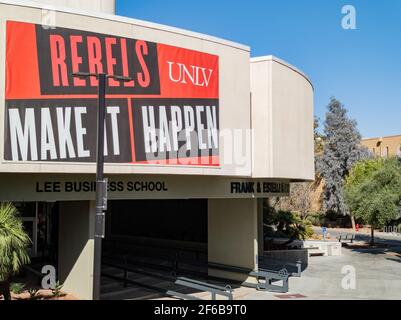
(149, 242)
(151, 236)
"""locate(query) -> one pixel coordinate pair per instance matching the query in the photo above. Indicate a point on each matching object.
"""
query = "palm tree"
(14, 243)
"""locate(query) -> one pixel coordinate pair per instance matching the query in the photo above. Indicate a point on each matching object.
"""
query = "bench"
(274, 264)
(267, 277)
(203, 286)
(347, 237)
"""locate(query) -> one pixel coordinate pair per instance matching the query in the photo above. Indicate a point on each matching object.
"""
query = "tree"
(318, 137)
(14, 243)
(373, 191)
(287, 224)
(299, 200)
(342, 149)
(362, 171)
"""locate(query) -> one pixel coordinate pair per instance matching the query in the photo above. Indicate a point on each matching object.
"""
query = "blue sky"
(361, 68)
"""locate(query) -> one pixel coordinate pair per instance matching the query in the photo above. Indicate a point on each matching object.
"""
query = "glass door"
(29, 216)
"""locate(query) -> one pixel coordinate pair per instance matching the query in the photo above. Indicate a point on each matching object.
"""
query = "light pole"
(101, 183)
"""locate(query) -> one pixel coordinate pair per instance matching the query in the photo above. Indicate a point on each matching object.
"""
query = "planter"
(5, 290)
(291, 256)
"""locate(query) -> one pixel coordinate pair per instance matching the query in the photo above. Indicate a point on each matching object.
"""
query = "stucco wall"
(233, 235)
(76, 247)
(282, 120)
(64, 187)
(104, 6)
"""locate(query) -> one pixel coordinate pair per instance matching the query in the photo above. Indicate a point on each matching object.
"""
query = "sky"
(360, 67)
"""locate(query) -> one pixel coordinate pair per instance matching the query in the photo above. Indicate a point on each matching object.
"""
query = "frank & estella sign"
(168, 113)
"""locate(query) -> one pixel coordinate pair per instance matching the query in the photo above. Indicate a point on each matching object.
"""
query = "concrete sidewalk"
(393, 239)
(377, 276)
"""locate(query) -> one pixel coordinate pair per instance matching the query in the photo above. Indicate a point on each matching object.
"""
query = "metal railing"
(268, 277)
(203, 286)
(294, 269)
(214, 290)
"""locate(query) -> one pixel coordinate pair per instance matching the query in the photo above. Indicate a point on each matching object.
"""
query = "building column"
(261, 240)
(233, 236)
(76, 247)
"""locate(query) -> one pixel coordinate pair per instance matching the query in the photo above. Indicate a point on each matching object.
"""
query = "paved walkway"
(364, 235)
(377, 276)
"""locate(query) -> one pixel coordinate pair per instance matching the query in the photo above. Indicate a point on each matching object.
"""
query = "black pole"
(100, 187)
(101, 183)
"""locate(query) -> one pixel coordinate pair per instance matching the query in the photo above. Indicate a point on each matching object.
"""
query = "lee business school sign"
(170, 110)
(39, 187)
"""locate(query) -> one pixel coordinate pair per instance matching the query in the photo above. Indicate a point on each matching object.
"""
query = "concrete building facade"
(384, 146)
(251, 132)
(101, 6)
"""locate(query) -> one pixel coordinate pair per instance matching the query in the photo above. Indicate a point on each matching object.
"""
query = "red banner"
(168, 113)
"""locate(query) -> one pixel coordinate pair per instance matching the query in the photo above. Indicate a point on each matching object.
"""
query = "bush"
(56, 291)
(14, 242)
(315, 218)
(17, 288)
(308, 230)
(33, 293)
(290, 225)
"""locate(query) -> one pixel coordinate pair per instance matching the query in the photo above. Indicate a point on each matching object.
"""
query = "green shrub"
(308, 230)
(315, 218)
(17, 288)
(14, 242)
(290, 225)
(56, 291)
(33, 294)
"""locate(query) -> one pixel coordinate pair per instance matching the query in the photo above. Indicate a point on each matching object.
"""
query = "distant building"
(384, 146)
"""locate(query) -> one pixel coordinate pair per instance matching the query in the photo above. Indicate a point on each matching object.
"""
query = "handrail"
(273, 263)
(175, 264)
(136, 242)
(183, 281)
(172, 254)
(203, 286)
(268, 276)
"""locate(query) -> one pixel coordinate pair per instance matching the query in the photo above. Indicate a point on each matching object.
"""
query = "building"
(193, 143)
(384, 146)
(104, 6)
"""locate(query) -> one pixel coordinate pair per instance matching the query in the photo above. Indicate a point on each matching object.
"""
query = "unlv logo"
(181, 73)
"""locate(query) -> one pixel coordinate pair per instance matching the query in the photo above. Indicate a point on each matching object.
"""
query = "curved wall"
(282, 119)
(103, 6)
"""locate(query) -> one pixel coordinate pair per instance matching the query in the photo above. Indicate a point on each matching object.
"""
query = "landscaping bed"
(41, 295)
(365, 245)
